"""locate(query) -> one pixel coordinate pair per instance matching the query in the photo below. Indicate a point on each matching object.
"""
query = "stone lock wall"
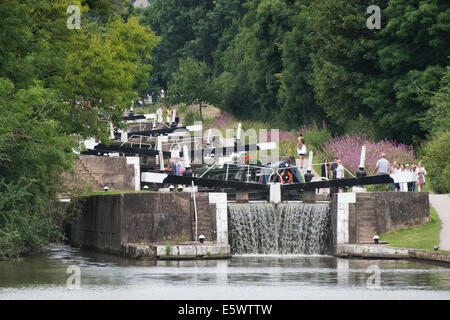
(117, 173)
(108, 221)
(358, 217)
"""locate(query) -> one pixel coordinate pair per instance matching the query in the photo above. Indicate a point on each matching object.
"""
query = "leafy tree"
(234, 91)
(411, 53)
(437, 150)
(296, 94)
(49, 77)
(117, 55)
(342, 55)
(437, 153)
(191, 84)
(252, 62)
(191, 29)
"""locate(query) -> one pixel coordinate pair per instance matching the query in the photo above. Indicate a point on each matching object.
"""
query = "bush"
(436, 162)
(25, 222)
(190, 117)
(348, 149)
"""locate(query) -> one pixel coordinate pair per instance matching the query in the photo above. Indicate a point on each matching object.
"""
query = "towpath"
(441, 202)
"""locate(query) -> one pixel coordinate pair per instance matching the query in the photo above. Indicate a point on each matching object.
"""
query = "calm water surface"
(242, 277)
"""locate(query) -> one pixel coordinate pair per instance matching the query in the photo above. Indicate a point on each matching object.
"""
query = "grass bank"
(423, 237)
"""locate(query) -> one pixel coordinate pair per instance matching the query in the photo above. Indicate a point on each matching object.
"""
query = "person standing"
(421, 172)
(339, 171)
(396, 169)
(403, 185)
(409, 184)
(413, 184)
(169, 115)
(326, 169)
(333, 168)
(383, 166)
(301, 150)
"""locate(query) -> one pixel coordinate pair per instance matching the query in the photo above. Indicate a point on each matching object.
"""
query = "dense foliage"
(437, 150)
(297, 61)
(56, 84)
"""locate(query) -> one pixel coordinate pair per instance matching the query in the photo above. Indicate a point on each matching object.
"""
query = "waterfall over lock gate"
(285, 228)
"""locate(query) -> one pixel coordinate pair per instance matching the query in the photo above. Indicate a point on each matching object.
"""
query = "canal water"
(242, 277)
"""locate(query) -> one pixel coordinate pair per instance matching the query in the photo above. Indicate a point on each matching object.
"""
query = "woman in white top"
(339, 171)
(301, 149)
(420, 172)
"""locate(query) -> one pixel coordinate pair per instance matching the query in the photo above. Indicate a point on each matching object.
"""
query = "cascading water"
(285, 228)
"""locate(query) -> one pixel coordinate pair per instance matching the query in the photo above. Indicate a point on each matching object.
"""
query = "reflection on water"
(242, 277)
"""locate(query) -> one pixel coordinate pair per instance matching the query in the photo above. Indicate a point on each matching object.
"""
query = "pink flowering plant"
(348, 149)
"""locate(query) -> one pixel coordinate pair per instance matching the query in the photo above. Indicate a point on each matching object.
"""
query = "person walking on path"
(382, 166)
(421, 172)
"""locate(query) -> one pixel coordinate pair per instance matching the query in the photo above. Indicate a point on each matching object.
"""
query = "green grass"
(423, 237)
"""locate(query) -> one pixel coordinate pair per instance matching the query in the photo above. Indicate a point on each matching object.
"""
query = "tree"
(187, 28)
(252, 62)
(191, 84)
(54, 83)
(342, 52)
(411, 53)
(117, 55)
(437, 150)
(296, 94)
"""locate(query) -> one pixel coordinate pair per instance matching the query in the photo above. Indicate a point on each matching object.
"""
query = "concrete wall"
(359, 216)
(97, 225)
(107, 221)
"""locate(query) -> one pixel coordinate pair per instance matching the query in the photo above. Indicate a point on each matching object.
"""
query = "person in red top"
(326, 169)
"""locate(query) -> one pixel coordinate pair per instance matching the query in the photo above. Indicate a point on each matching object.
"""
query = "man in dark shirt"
(334, 165)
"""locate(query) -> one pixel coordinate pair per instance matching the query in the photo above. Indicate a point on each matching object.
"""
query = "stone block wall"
(108, 221)
(113, 172)
(368, 214)
(94, 172)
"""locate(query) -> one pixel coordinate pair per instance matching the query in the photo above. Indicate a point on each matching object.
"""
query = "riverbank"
(423, 237)
(386, 252)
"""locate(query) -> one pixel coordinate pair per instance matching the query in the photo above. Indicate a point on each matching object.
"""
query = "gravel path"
(441, 202)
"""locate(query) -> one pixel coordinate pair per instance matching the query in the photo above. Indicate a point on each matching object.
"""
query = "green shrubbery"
(437, 150)
(25, 222)
(437, 162)
(58, 86)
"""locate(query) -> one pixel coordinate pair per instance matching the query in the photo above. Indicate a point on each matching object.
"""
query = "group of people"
(336, 171)
(177, 166)
(383, 167)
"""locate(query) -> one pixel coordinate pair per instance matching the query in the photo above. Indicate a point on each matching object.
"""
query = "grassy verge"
(423, 237)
